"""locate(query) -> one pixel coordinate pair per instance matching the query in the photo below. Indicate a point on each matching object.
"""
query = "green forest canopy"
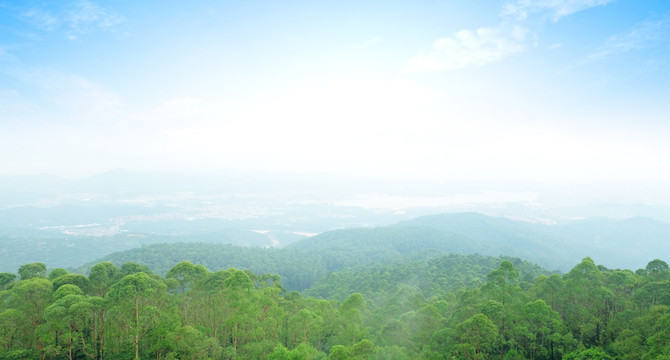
(127, 312)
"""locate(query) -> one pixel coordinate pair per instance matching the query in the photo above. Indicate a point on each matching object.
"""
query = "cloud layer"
(641, 36)
(75, 20)
(487, 45)
(471, 47)
(555, 9)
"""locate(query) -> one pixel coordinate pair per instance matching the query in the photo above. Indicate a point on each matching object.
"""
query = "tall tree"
(29, 271)
(477, 337)
(186, 275)
(102, 276)
(503, 286)
(28, 298)
(137, 297)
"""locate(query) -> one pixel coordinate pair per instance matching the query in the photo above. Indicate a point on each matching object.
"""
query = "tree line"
(127, 311)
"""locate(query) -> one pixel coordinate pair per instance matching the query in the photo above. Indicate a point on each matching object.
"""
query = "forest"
(444, 308)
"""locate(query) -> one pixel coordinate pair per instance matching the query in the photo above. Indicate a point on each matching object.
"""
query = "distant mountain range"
(306, 261)
(627, 244)
(72, 234)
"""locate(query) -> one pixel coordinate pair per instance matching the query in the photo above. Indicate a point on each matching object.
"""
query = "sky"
(478, 90)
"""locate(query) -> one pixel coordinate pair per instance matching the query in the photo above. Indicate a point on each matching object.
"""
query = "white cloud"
(467, 47)
(88, 16)
(642, 35)
(81, 18)
(556, 9)
(488, 45)
(42, 19)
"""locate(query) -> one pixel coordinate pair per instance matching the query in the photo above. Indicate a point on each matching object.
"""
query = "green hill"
(428, 277)
(628, 243)
(19, 246)
(305, 261)
(349, 247)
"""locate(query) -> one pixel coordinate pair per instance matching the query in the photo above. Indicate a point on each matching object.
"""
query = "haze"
(522, 97)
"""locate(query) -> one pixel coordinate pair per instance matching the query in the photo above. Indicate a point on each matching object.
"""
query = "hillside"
(303, 262)
(432, 277)
(397, 292)
(297, 270)
(614, 243)
(349, 247)
(19, 246)
(628, 243)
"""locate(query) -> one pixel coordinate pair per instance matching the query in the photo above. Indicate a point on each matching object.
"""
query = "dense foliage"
(304, 262)
(128, 312)
(298, 270)
(432, 277)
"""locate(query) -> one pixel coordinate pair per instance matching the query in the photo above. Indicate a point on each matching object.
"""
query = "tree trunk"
(137, 328)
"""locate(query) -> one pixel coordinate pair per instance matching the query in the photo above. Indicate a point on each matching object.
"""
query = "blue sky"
(539, 90)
